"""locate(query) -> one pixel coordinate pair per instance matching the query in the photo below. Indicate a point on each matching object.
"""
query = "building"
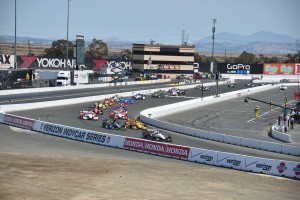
(163, 60)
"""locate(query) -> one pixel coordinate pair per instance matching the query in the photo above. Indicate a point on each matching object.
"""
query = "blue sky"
(141, 20)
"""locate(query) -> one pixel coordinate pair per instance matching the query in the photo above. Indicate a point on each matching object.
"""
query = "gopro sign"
(238, 67)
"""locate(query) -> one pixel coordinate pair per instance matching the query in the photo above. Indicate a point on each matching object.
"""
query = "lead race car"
(156, 135)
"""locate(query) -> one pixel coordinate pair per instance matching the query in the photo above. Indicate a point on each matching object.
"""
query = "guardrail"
(233, 161)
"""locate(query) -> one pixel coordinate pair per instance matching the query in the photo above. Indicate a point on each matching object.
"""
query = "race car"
(96, 110)
(198, 87)
(135, 124)
(117, 114)
(127, 100)
(113, 124)
(232, 85)
(207, 88)
(88, 115)
(249, 85)
(158, 94)
(108, 101)
(139, 96)
(120, 105)
(100, 105)
(116, 97)
(181, 91)
(156, 135)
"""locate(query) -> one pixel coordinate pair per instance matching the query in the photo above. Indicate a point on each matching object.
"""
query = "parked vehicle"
(76, 77)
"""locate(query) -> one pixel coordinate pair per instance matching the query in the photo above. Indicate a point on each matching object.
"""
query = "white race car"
(88, 115)
(156, 135)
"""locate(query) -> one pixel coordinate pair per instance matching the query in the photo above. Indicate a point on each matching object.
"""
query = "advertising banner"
(18, 121)
(202, 156)
(240, 68)
(157, 148)
(112, 65)
(258, 165)
(6, 61)
(287, 168)
(279, 69)
(74, 133)
(297, 68)
(229, 160)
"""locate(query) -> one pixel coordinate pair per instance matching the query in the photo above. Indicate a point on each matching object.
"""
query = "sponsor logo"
(297, 170)
(271, 70)
(234, 162)
(238, 66)
(156, 147)
(5, 59)
(18, 121)
(281, 167)
(264, 167)
(56, 63)
(284, 69)
(27, 61)
(207, 158)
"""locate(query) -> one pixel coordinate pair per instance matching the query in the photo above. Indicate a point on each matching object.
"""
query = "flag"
(149, 61)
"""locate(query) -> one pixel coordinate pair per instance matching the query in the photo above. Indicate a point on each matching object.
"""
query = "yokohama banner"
(279, 69)
(157, 148)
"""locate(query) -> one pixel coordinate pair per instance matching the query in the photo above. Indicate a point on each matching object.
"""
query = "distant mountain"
(259, 43)
(261, 36)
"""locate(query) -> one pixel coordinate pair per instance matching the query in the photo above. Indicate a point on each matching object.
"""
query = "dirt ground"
(27, 176)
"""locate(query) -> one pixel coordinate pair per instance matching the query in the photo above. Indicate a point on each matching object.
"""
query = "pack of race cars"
(118, 119)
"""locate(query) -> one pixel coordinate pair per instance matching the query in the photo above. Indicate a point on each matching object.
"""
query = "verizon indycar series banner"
(74, 133)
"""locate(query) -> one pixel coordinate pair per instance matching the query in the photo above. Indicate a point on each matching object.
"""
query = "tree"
(293, 58)
(97, 49)
(197, 57)
(246, 57)
(127, 53)
(58, 49)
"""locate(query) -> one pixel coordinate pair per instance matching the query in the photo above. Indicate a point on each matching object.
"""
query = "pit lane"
(68, 115)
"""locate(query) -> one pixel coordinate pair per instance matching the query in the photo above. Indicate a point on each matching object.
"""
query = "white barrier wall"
(281, 136)
(61, 88)
(228, 160)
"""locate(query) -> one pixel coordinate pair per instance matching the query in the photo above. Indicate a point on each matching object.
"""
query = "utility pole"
(29, 49)
(212, 57)
(67, 53)
(15, 49)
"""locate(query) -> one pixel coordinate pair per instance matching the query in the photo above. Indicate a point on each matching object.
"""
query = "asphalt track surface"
(68, 115)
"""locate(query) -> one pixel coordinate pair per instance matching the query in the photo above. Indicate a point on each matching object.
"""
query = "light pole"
(67, 53)
(212, 57)
(15, 49)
